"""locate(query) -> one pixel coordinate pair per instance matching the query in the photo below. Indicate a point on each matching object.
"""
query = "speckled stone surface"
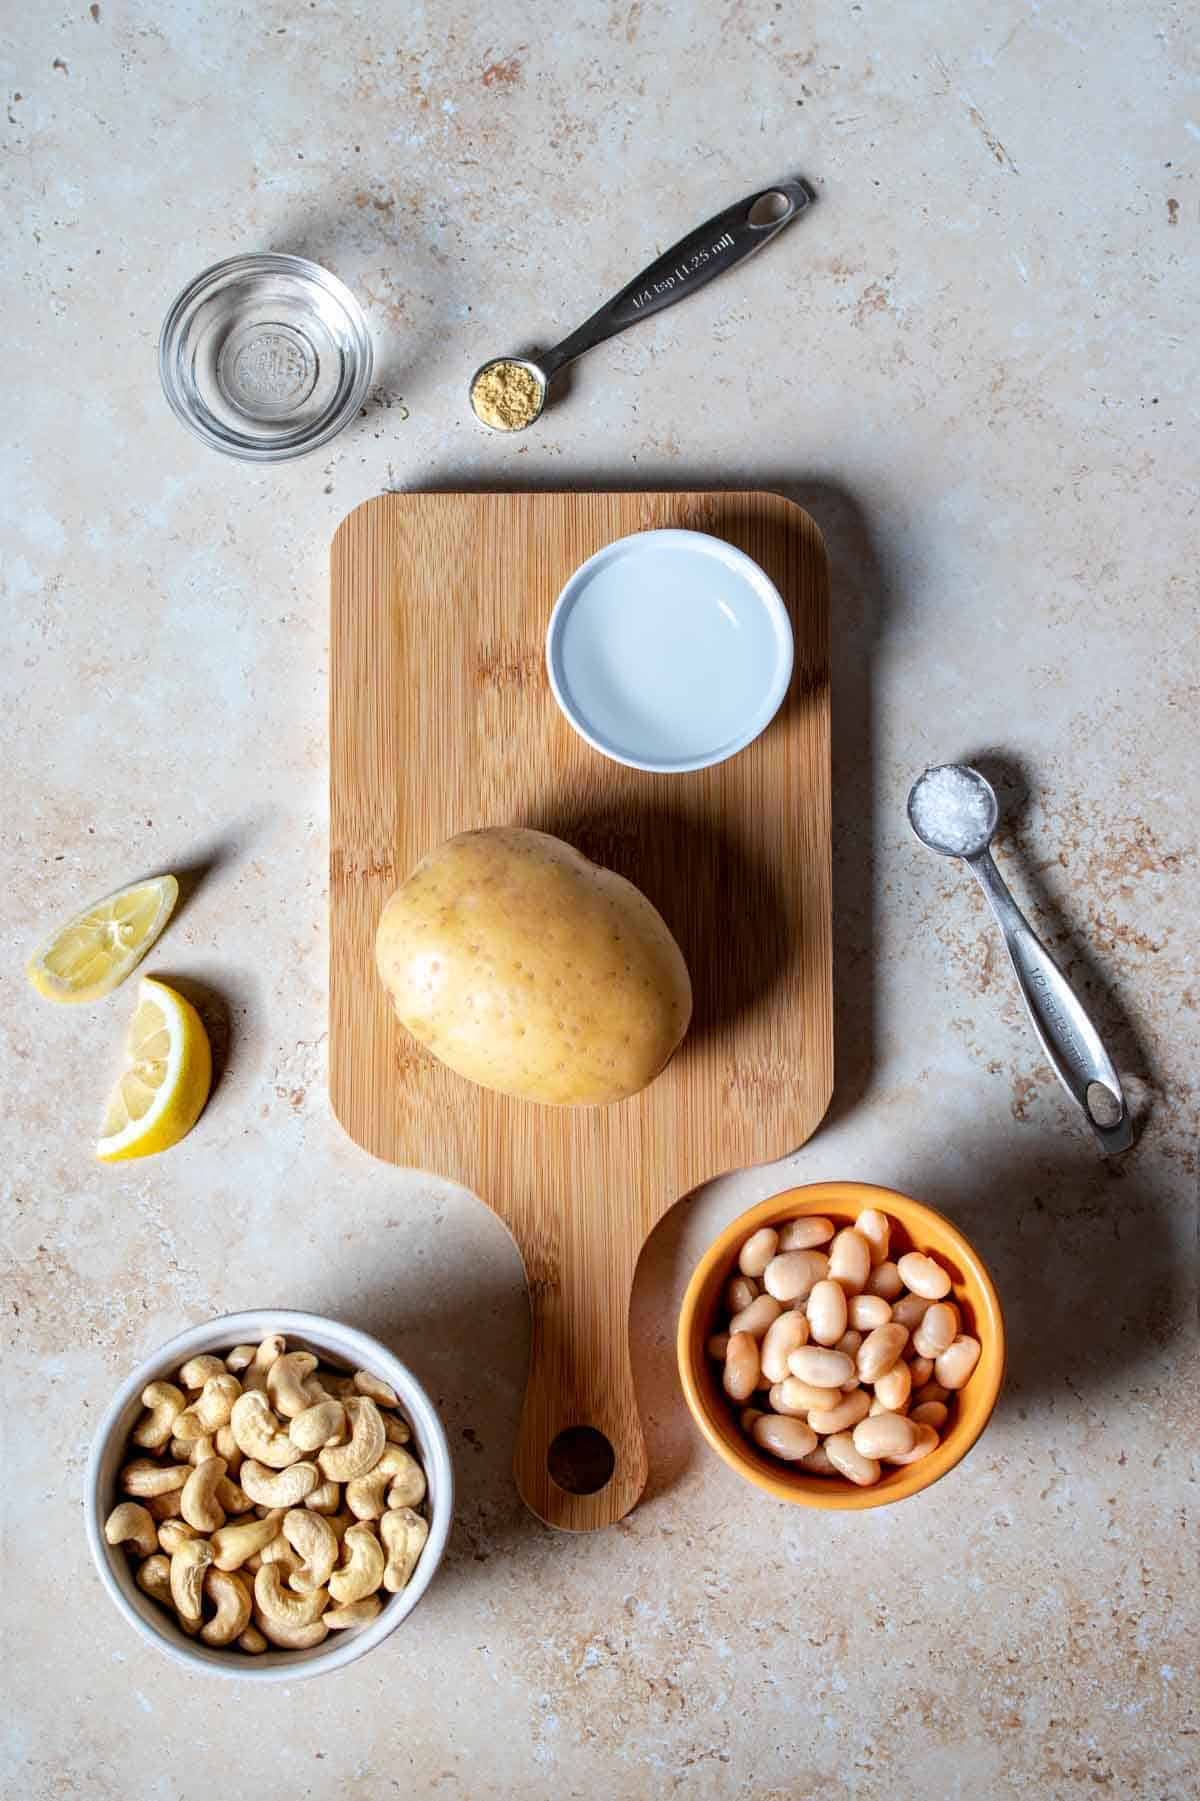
(975, 362)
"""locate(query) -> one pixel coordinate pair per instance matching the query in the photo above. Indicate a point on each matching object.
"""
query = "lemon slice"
(165, 1084)
(93, 952)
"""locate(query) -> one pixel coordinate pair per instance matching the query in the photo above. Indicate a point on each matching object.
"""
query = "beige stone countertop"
(975, 362)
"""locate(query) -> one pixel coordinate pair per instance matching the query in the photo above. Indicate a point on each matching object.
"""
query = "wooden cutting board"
(441, 719)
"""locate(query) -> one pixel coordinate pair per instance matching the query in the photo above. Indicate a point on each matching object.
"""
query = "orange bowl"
(914, 1227)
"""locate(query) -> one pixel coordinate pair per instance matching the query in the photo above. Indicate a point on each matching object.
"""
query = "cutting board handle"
(580, 1458)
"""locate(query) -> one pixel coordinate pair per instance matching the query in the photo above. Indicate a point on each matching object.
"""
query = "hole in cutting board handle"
(581, 1460)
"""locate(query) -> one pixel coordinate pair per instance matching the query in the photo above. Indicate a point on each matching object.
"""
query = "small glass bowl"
(265, 357)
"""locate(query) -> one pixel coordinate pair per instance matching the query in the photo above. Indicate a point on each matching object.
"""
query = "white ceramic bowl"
(339, 1345)
(669, 651)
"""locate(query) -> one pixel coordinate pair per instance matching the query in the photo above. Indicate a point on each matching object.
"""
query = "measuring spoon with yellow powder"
(509, 392)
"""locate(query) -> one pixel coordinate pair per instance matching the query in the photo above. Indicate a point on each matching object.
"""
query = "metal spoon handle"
(1067, 1035)
(704, 254)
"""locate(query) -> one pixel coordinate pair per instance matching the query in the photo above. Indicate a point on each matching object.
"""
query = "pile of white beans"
(841, 1359)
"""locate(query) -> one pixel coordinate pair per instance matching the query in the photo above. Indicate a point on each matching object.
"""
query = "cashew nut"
(173, 1533)
(130, 1524)
(154, 1578)
(290, 1638)
(282, 1608)
(165, 1507)
(227, 1447)
(187, 1578)
(213, 1408)
(325, 1498)
(316, 1425)
(362, 1567)
(337, 1386)
(307, 1456)
(280, 1552)
(313, 1539)
(285, 1382)
(232, 1546)
(201, 1507)
(356, 1613)
(254, 1376)
(192, 1450)
(260, 1435)
(230, 1593)
(197, 1370)
(403, 1533)
(365, 1495)
(397, 1430)
(342, 1463)
(409, 1487)
(376, 1389)
(163, 1403)
(279, 1488)
(141, 1477)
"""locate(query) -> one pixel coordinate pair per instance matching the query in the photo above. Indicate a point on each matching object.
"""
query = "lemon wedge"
(164, 1086)
(97, 949)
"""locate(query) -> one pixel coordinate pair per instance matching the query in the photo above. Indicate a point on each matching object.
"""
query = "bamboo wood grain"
(441, 719)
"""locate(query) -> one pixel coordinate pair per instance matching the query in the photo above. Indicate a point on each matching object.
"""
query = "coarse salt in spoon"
(953, 810)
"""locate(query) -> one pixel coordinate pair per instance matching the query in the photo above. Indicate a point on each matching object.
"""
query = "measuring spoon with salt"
(953, 809)
(509, 392)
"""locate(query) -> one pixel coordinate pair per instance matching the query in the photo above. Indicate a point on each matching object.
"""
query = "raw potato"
(530, 970)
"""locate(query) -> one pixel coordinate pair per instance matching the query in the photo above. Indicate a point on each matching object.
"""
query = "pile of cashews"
(841, 1359)
(272, 1498)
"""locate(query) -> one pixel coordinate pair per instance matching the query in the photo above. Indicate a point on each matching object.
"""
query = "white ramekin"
(337, 1344)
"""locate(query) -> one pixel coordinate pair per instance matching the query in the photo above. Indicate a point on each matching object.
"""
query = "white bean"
(849, 1343)
(758, 1251)
(785, 1334)
(926, 1441)
(849, 1462)
(717, 1346)
(884, 1435)
(920, 1369)
(803, 1234)
(841, 1418)
(788, 1439)
(761, 1313)
(894, 1387)
(741, 1367)
(817, 1463)
(793, 1275)
(884, 1280)
(938, 1330)
(824, 1369)
(740, 1292)
(930, 1413)
(866, 1311)
(923, 1275)
(953, 1367)
(793, 1396)
(910, 1310)
(879, 1350)
(930, 1391)
(877, 1230)
(827, 1312)
(747, 1417)
(850, 1260)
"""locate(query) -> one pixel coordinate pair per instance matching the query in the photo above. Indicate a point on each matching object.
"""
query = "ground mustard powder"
(506, 396)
